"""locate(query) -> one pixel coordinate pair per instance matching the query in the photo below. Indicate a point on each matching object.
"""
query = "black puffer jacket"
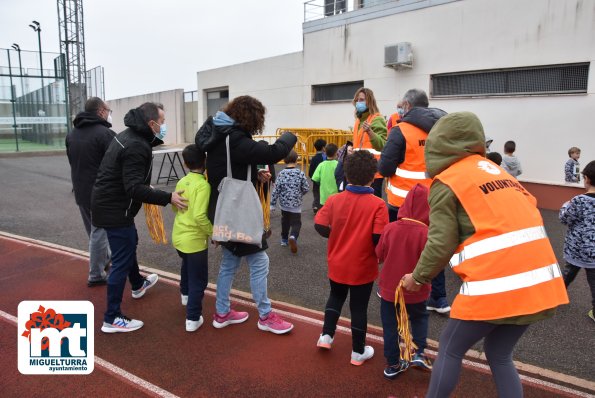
(122, 184)
(393, 153)
(243, 151)
(86, 144)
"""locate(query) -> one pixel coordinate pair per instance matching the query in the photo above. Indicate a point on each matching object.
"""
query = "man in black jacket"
(86, 144)
(403, 151)
(122, 186)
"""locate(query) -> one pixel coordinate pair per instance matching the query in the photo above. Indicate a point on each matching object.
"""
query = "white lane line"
(552, 375)
(140, 383)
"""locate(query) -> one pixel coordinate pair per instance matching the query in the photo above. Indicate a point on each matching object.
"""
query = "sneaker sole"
(394, 376)
(105, 329)
(420, 367)
(194, 329)
(141, 294)
(268, 329)
(326, 346)
(439, 310)
(220, 325)
(359, 363)
(293, 246)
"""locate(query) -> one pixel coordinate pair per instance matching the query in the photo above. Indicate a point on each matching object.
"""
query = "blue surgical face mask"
(162, 132)
(400, 111)
(360, 107)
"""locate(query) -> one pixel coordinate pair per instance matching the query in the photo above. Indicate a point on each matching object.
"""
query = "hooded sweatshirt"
(401, 245)
(86, 144)
(393, 153)
(453, 138)
(124, 177)
(512, 165)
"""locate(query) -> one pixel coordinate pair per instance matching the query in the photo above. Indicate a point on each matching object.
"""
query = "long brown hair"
(248, 113)
(370, 100)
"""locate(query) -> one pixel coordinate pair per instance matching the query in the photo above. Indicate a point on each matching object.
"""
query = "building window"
(335, 92)
(538, 80)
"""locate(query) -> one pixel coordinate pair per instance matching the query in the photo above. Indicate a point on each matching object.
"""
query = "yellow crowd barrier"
(306, 138)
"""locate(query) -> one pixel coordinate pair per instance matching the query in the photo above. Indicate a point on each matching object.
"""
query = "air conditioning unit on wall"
(398, 56)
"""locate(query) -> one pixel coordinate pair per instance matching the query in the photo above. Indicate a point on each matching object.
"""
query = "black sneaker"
(100, 282)
(392, 371)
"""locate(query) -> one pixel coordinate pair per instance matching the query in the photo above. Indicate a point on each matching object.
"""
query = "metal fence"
(33, 101)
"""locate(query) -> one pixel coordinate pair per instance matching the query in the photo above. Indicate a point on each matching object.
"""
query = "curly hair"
(248, 113)
(360, 168)
(370, 100)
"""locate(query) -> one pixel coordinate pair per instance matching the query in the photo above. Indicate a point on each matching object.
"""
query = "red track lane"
(238, 361)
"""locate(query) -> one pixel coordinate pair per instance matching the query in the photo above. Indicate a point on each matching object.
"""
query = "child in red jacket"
(399, 248)
(353, 221)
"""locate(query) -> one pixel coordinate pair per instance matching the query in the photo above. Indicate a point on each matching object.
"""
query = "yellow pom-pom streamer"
(405, 335)
(265, 202)
(154, 219)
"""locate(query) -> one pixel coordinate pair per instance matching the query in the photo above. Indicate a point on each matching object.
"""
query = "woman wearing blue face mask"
(369, 130)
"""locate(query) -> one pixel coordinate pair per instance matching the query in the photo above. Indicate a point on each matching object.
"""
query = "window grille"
(335, 92)
(539, 80)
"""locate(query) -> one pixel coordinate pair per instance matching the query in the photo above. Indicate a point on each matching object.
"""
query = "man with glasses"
(86, 144)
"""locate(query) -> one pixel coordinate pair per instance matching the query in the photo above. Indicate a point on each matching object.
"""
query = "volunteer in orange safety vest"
(488, 228)
(369, 129)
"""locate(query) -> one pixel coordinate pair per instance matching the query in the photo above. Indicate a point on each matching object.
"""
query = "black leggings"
(358, 305)
(499, 342)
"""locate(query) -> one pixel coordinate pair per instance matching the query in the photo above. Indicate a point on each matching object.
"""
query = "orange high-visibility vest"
(362, 141)
(507, 266)
(413, 169)
(394, 119)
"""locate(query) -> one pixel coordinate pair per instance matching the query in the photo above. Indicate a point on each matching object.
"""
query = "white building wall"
(173, 104)
(452, 37)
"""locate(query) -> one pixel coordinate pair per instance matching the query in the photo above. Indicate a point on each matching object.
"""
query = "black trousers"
(291, 223)
(316, 194)
(571, 271)
(358, 305)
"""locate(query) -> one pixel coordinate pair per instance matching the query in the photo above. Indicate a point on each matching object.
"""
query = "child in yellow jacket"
(190, 234)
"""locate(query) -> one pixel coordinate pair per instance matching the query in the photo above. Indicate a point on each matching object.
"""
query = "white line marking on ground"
(552, 375)
(142, 384)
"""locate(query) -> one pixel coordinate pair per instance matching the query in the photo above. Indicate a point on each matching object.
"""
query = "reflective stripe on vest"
(412, 175)
(512, 282)
(499, 242)
(413, 168)
(507, 265)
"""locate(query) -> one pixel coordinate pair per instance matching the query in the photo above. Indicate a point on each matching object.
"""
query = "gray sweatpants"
(455, 341)
(99, 252)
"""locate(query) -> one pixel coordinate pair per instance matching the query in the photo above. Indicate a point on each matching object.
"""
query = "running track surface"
(162, 359)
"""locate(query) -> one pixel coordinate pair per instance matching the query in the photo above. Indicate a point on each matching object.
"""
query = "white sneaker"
(192, 326)
(358, 359)
(149, 282)
(122, 324)
(184, 299)
(325, 341)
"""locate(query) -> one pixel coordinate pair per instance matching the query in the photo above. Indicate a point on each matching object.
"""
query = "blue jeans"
(259, 270)
(418, 317)
(439, 286)
(122, 242)
(194, 278)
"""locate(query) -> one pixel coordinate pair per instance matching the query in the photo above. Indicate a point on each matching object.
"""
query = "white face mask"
(109, 118)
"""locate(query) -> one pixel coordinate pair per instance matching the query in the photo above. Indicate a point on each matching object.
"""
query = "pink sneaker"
(275, 324)
(221, 321)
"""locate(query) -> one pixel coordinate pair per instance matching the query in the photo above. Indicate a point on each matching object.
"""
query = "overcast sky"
(149, 45)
